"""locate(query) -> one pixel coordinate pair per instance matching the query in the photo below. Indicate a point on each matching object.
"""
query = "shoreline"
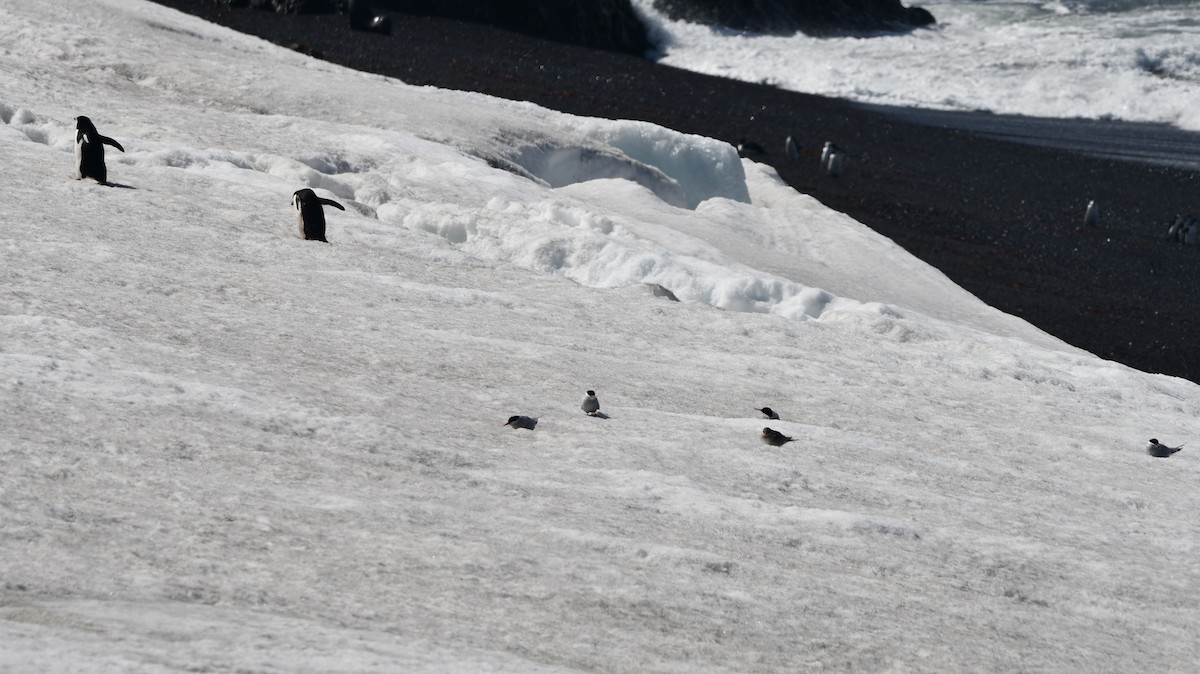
(1154, 143)
(1000, 216)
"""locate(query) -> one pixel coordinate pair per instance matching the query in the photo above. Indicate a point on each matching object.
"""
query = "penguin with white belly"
(310, 215)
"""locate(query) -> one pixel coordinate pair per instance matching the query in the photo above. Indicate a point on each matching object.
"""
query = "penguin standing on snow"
(310, 215)
(89, 151)
(591, 404)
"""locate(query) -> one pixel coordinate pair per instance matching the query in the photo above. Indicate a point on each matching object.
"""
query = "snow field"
(227, 448)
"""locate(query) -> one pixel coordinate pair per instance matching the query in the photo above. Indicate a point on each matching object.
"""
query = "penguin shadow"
(119, 186)
(599, 415)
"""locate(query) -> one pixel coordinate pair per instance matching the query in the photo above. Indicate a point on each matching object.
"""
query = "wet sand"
(996, 203)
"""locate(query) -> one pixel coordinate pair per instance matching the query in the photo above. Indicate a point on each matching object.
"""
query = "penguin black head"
(591, 393)
(85, 125)
(1153, 441)
(307, 197)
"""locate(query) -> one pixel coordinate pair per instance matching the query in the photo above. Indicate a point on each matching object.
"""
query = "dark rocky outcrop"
(790, 16)
(604, 24)
(611, 25)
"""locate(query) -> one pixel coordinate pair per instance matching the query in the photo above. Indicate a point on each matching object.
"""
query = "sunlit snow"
(229, 449)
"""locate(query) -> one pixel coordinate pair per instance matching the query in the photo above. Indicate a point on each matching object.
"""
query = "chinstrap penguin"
(768, 412)
(519, 421)
(774, 438)
(89, 151)
(591, 404)
(310, 215)
(1159, 450)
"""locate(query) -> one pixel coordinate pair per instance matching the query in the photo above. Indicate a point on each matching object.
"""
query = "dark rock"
(604, 24)
(790, 16)
(289, 6)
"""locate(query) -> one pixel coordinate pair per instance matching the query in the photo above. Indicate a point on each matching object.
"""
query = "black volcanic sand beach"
(1002, 219)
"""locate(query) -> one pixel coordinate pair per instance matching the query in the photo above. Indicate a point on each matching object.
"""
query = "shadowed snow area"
(229, 449)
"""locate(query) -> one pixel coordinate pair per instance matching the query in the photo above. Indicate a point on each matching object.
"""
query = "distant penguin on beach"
(1092, 217)
(1159, 450)
(832, 159)
(310, 215)
(774, 438)
(1175, 231)
(828, 149)
(768, 412)
(89, 151)
(521, 421)
(749, 149)
(363, 17)
(791, 150)
(591, 404)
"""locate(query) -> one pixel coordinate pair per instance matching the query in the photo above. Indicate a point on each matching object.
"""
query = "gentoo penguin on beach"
(768, 412)
(518, 421)
(310, 215)
(774, 438)
(1159, 450)
(89, 151)
(591, 404)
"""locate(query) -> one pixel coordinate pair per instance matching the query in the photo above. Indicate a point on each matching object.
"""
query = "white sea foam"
(1127, 60)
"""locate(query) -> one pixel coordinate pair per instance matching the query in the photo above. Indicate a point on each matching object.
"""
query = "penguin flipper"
(331, 202)
(109, 141)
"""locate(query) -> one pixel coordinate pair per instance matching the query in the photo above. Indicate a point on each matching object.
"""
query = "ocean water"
(1126, 60)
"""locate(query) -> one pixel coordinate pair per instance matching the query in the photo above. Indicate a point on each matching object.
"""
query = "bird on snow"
(1159, 450)
(773, 437)
(89, 151)
(591, 404)
(768, 412)
(519, 421)
(309, 214)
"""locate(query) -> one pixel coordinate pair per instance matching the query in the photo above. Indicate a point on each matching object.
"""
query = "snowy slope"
(229, 449)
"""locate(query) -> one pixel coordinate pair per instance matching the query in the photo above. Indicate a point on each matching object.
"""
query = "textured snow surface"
(228, 449)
